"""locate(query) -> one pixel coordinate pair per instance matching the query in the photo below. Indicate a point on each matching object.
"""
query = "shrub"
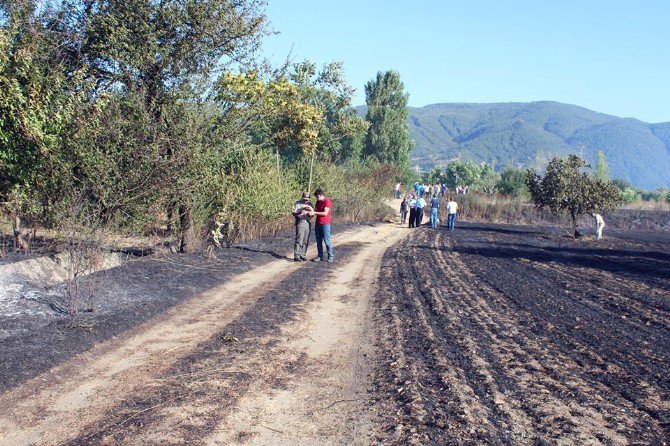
(630, 195)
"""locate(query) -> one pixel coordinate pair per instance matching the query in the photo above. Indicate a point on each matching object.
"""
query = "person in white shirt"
(600, 224)
(452, 210)
(412, 210)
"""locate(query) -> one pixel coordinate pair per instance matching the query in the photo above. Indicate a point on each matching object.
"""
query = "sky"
(609, 56)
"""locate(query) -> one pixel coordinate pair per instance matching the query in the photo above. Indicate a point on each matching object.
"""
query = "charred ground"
(512, 335)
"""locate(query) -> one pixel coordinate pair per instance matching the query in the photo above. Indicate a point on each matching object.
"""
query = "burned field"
(508, 335)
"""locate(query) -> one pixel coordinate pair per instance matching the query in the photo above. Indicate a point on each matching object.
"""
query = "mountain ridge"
(523, 133)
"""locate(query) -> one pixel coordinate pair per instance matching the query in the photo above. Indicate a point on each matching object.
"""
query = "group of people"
(303, 211)
(462, 189)
(413, 206)
(424, 190)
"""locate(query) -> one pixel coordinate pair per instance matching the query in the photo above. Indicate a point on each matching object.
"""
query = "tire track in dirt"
(533, 388)
(496, 331)
(624, 371)
(488, 346)
(326, 401)
(55, 407)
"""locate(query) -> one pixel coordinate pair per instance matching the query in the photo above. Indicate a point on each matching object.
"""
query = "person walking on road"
(600, 224)
(404, 208)
(434, 206)
(420, 204)
(322, 211)
(412, 211)
(303, 227)
(452, 210)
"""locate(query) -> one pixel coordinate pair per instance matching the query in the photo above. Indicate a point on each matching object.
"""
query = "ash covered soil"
(487, 335)
(36, 333)
(510, 335)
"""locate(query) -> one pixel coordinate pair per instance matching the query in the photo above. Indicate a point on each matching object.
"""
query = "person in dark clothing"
(404, 209)
(412, 211)
(303, 227)
(418, 216)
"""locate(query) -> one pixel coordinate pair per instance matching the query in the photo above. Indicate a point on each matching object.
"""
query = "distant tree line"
(144, 114)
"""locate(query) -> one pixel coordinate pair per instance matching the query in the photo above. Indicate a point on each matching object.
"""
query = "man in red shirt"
(322, 227)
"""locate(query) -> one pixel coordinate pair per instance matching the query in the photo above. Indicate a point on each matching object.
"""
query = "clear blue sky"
(609, 56)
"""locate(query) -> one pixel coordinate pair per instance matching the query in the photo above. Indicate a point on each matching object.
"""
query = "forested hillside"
(526, 133)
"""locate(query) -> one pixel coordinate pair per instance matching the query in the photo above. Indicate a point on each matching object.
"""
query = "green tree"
(513, 182)
(388, 138)
(566, 188)
(602, 169)
(38, 97)
(167, 53)
(466, 173)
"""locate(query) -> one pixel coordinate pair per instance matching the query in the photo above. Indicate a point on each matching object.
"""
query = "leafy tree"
(342, 131)
(388, 138)
(462, 173)
(602, 169)
(37, 100)
(513, 182)
(630, 195)
(167, 53)
(566, 188)
(621, 183)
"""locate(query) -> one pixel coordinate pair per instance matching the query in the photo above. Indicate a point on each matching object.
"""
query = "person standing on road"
(452, 210)
(412, 210)
(600, 224)
(322, 226)
(404, 208)
(303, 227)
(420, 204)
(434, 206)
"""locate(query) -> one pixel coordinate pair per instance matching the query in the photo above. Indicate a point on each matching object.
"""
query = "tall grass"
(254, 195)
(501, 209)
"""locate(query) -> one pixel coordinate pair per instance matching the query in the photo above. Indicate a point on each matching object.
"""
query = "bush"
(252, 197)
(630, 195)
(513, 182)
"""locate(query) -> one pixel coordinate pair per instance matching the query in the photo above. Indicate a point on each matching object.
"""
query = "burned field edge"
(206, 380)
(126, 297)
(481, 322)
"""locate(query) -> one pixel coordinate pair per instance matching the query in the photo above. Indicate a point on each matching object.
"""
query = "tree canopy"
(388, 138)
(565, 187)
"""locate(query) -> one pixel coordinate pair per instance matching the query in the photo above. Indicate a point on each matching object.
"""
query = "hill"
(525, 133)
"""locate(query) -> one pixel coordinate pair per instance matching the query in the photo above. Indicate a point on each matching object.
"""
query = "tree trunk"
(189, 242)
(311, 169)
(170, 216)
(574, 224)
(19, 242)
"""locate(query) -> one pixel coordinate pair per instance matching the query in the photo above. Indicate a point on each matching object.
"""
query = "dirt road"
(268, 358)
(485, 335)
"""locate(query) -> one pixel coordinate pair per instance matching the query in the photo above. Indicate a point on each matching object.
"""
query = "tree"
(513, 182)
(566, 188)
(37, 100)
(168, 53)
(457, 173)
(602, 169)
(388, 137)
